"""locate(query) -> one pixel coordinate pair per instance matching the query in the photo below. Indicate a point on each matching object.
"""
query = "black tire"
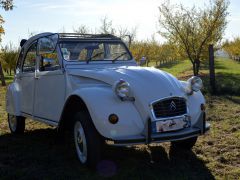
(186, 144)
(16, 124)
(92, 140)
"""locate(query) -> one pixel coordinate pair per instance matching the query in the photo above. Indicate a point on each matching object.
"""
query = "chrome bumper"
(198, 129)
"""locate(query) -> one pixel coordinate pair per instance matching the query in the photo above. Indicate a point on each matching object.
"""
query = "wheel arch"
(73, 104)
(100, 102)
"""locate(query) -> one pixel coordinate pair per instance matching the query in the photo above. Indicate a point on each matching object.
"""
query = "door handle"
(19, 77)
(35, 75)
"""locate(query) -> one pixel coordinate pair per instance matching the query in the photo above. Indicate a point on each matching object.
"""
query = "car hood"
(147, 84)
(150, 83)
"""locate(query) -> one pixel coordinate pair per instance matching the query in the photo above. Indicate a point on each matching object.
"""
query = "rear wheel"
(16, 124)
(185, 144)
(86, 140)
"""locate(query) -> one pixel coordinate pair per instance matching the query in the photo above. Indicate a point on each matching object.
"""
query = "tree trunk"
(2, 75)
(196, 66)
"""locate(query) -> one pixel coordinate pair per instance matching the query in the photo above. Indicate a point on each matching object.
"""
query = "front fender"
(101, 102)
(13, 100)
(194, 105)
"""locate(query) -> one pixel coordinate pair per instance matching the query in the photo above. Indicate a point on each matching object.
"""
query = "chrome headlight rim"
(195, 84)
(122, 90)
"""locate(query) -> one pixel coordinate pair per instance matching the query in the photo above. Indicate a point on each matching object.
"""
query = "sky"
(35, 16)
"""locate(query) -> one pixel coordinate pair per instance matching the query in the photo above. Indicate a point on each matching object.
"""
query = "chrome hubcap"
(12, 122)
(80, 142)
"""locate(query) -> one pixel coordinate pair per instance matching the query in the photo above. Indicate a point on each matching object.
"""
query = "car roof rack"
(88, 36)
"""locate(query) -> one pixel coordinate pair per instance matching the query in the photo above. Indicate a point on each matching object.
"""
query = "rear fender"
(13, 100)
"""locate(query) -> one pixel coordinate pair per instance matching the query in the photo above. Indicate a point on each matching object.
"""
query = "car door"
(49, 86)
(25, 79)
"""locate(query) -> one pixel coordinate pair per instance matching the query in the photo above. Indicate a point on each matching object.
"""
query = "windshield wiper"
(94, 56)
(124, 53)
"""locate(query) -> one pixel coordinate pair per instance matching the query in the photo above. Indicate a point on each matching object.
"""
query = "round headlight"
(122, 89)
(195, 83)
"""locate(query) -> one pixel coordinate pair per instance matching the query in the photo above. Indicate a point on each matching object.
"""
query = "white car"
(92, 86)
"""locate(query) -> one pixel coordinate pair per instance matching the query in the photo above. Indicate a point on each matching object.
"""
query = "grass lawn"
(40, 154)
(8, 79)
(175, 68)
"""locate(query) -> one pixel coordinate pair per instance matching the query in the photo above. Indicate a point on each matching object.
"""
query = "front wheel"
(186, 144)
(16, 124)
(87, 141)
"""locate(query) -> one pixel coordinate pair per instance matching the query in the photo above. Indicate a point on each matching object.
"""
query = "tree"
(6, 5)
(82, 29)
(1, 71)
(193, 29)
(233, 48)
(107, 27)
(153, 51)
(122, 32)
(9, 58)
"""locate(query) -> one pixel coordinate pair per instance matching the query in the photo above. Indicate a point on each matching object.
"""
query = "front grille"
(171, 107)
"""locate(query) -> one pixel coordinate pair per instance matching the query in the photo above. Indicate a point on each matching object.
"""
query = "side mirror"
(48, 44)
(45, 63)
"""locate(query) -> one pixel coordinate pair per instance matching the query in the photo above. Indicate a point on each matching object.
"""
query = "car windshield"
(94, 51)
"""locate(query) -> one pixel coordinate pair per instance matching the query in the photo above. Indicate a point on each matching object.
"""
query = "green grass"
(41, 154)
(227, 77)
(227, 66)
(177, 69)
(9, 78)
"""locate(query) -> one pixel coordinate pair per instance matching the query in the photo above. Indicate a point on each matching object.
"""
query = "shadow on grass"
(234, 99)
(9, 77)
(40, 154)
(218, 65)
(226, 84)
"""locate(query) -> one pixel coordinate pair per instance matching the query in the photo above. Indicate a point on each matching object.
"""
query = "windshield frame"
(61, 40)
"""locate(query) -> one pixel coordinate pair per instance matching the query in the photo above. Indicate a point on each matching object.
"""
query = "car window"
(94, 51)
(19, 61)
(117, 51)
(98, 53)
(30, 59)
(49, 59)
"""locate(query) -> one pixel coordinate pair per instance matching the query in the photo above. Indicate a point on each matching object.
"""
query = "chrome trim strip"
(42, 120)
(169, 97)
(158, 138)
